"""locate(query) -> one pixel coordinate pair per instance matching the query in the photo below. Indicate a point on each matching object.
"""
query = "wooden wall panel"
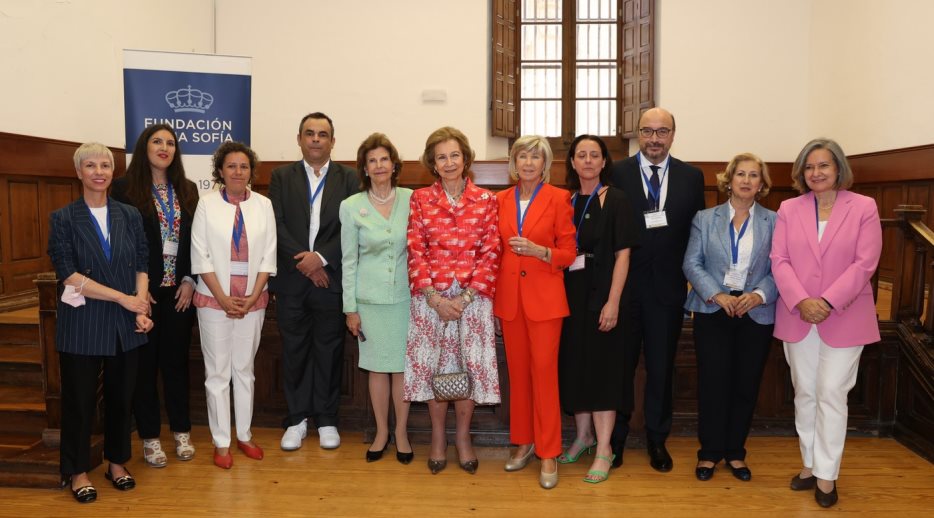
(24, 219)
(37, 176)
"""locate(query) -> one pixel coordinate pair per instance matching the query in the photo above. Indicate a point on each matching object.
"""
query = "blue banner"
(206, 109)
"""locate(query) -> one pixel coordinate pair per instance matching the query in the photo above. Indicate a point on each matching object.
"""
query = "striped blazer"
(96, 328)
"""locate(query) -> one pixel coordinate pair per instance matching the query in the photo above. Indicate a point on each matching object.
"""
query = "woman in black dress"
(591, 353)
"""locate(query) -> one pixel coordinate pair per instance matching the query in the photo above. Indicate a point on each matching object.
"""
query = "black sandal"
(124, 483)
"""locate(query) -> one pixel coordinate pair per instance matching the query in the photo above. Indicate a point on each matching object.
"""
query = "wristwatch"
(467, 296)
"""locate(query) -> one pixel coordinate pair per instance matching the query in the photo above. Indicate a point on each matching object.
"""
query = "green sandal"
(564, 458)
(600, 476)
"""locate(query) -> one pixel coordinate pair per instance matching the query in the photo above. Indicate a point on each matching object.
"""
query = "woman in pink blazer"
(825, 248)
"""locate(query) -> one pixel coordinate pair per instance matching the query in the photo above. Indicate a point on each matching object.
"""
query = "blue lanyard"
(577, 235)
(734, 241)
(816, 215)
(167, 211)
(105, 241)
(654, 195)
(313, 197)
(520, 216)
(238, 223)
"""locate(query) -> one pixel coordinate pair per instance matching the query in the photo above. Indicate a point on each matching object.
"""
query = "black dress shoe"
(803, 484)
(742, 473)
(659, 458)
(470, 466)
(124, 483)
(83, 495)
(617, 456)
(825, 499)
(404, 457)
(436, 466)
(704, 473)
(373, 456)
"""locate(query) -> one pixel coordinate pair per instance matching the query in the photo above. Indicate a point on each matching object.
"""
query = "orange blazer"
(548, 222)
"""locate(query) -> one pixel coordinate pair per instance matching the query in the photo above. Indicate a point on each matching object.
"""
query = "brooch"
(364, 212)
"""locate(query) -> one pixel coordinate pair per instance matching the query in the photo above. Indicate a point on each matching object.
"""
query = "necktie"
(655, 184)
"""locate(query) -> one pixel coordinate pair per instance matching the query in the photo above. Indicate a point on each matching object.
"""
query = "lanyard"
(734, 241)
(520, 216)
(167, 210)
(816, 215)
(313, 197)
(238, 223)
(577, 235)
(105, 241)
(654, 195)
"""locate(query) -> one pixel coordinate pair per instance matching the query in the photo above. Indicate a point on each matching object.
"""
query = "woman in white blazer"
(233, 249)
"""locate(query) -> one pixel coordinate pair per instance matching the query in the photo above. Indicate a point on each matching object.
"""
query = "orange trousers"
(534, 407)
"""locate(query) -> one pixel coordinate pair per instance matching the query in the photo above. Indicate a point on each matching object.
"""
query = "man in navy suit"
(306, 196)
(664, 194)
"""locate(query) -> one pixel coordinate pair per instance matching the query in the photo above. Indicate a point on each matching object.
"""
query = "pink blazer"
(837, 268)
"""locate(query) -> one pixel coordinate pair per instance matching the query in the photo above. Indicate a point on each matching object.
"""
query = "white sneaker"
(293, 436)
(328, 437)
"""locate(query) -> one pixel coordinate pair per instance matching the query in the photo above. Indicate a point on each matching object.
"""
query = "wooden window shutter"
(505, 69)
(638, 68)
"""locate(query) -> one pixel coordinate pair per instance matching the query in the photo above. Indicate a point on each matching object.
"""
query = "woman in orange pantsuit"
(538, 242)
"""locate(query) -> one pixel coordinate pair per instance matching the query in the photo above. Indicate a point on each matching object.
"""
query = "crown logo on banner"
(189, 99)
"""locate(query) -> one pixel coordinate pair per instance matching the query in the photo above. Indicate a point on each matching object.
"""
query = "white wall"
(734, 74)
(62, 62)
(365, 65)
(871, 73)
(757, 75)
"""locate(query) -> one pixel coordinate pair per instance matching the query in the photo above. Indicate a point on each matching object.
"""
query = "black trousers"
(654, 329)
(731, 355)
(80, 377)
(165, 354)
(313, 328)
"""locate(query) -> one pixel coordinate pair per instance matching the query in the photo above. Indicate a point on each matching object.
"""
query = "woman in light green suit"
(376, 285)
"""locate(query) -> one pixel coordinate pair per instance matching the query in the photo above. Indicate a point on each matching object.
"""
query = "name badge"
(735, 279)
(578, 263)
(239, 268)
(170, 248)
(656, 219)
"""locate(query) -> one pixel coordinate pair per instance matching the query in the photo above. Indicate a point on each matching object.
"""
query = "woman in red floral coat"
(454, 251)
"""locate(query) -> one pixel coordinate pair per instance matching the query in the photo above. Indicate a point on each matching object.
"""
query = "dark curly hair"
(376, 141)
(233, 147)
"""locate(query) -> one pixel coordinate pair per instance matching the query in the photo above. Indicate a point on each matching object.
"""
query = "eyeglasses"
(648, 132)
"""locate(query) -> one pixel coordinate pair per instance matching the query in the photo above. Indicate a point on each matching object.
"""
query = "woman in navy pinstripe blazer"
(99, 252)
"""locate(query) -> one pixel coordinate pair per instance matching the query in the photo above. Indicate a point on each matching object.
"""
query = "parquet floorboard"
(879, 477)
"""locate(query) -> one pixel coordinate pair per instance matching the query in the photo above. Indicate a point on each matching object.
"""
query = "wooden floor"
(879, 477)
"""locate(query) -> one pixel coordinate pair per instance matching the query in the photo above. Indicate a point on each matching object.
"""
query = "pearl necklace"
(382, 201)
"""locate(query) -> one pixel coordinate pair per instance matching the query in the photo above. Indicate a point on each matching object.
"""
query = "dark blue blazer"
(655, 265)
(96, 328)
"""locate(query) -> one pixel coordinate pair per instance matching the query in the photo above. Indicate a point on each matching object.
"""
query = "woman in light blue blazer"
(733, 299)
(376, 285)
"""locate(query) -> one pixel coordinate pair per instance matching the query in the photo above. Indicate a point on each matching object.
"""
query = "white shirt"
(315, 225)
(744, 258)
(100, 214)
(662, 177)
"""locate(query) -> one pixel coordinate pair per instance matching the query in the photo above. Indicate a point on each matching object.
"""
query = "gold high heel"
(515, 464)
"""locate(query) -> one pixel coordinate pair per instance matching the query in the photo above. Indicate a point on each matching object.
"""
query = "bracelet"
(467, 296)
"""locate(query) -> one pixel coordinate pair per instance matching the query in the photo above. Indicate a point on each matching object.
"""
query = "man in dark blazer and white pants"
(306, 196)
(664, 194)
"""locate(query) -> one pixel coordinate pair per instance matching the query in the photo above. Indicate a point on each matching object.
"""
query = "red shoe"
(223, 461)
(253, 452)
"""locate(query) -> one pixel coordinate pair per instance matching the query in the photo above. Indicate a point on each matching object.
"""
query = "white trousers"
(229, 347)
(822, 377)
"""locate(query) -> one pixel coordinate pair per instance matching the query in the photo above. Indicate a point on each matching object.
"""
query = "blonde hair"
(531, 143)
(724, 178)
(92, 150)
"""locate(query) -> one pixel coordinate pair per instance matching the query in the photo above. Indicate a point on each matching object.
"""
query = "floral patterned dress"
(453, 247)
